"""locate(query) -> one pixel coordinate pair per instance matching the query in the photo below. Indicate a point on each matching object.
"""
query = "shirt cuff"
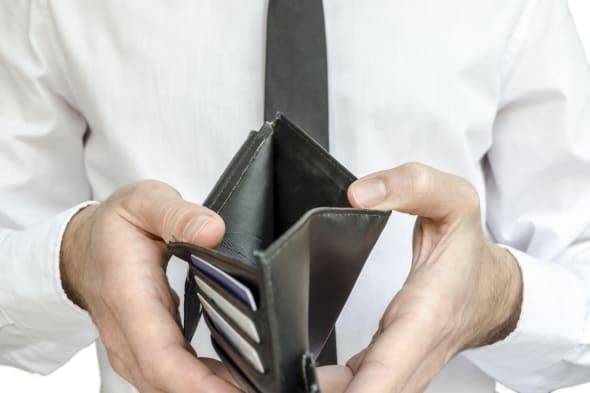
(551, 325)
(43, 328)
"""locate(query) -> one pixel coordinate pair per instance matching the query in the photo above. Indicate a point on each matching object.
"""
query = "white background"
(81, 375)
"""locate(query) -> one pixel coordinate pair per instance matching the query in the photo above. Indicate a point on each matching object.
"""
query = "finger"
(354, 363)
(159, 209)
(145, 311)
(424, 375)
(333, 379)
(120, 366)
(175, 306)
(161, 354)
(121, 358)
(392, 359)
(219, 369)
(415, 189)
(428, 368)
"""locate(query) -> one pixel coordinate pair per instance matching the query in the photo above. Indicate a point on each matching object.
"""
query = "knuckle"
(139, 190)
(135, 193)
(176, 218)
(379, 370)
(174, 215)
(420, 179)
(151, 186)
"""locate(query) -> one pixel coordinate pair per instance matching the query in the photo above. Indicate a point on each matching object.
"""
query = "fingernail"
(369, 192)
(195, 226)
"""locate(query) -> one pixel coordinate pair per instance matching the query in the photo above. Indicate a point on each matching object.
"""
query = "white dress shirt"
(496, 91)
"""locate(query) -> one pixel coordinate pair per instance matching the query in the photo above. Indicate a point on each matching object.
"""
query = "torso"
(171, 91)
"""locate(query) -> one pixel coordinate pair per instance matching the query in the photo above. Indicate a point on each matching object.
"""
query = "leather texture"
(294, 240)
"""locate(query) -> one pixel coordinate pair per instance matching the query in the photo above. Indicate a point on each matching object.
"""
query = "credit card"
(235, 287)
(243, 321)
(237, 341)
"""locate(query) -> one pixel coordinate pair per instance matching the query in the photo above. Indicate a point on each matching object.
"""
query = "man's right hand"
(113, 264)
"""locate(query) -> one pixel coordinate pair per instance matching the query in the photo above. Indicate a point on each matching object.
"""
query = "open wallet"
(272, 290)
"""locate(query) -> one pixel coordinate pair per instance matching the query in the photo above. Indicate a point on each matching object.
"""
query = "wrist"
(73, 254)
(514, 293)
(503, 294)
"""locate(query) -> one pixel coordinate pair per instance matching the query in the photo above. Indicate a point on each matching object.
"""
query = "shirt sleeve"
(538, 198)
(42, 184)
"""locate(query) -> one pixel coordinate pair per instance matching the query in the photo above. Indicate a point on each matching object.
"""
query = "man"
(95, 96)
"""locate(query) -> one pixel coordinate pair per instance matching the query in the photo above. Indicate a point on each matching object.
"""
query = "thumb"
(158, 209)
(416, 189)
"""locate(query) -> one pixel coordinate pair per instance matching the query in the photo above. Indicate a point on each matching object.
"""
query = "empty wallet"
(297, 247)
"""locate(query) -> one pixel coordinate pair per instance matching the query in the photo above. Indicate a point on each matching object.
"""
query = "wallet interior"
(293, 239)
(285, 175)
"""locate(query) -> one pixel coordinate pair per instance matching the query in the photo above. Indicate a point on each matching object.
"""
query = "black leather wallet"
(294, 242)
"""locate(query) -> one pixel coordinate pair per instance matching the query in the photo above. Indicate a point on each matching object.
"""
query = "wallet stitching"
(330, 214)
(328, 160)
(226, 182)
(323, 153)
(239, 181)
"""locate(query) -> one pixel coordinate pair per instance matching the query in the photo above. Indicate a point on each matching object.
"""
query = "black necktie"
(296, 65)
(297, 79)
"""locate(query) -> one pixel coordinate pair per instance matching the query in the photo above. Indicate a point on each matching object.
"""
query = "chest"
(408, 81)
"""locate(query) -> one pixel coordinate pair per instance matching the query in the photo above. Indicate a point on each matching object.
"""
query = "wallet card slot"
(248, 274)
(240, 290)
(247, 349)
(249, 384)
(291, 237)
(257, 367)
(237, 320)
(227, 295)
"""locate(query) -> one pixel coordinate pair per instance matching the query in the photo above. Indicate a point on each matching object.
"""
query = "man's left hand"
(462, 291)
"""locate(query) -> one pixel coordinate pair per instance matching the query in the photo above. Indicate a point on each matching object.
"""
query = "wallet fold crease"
(295, 242)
